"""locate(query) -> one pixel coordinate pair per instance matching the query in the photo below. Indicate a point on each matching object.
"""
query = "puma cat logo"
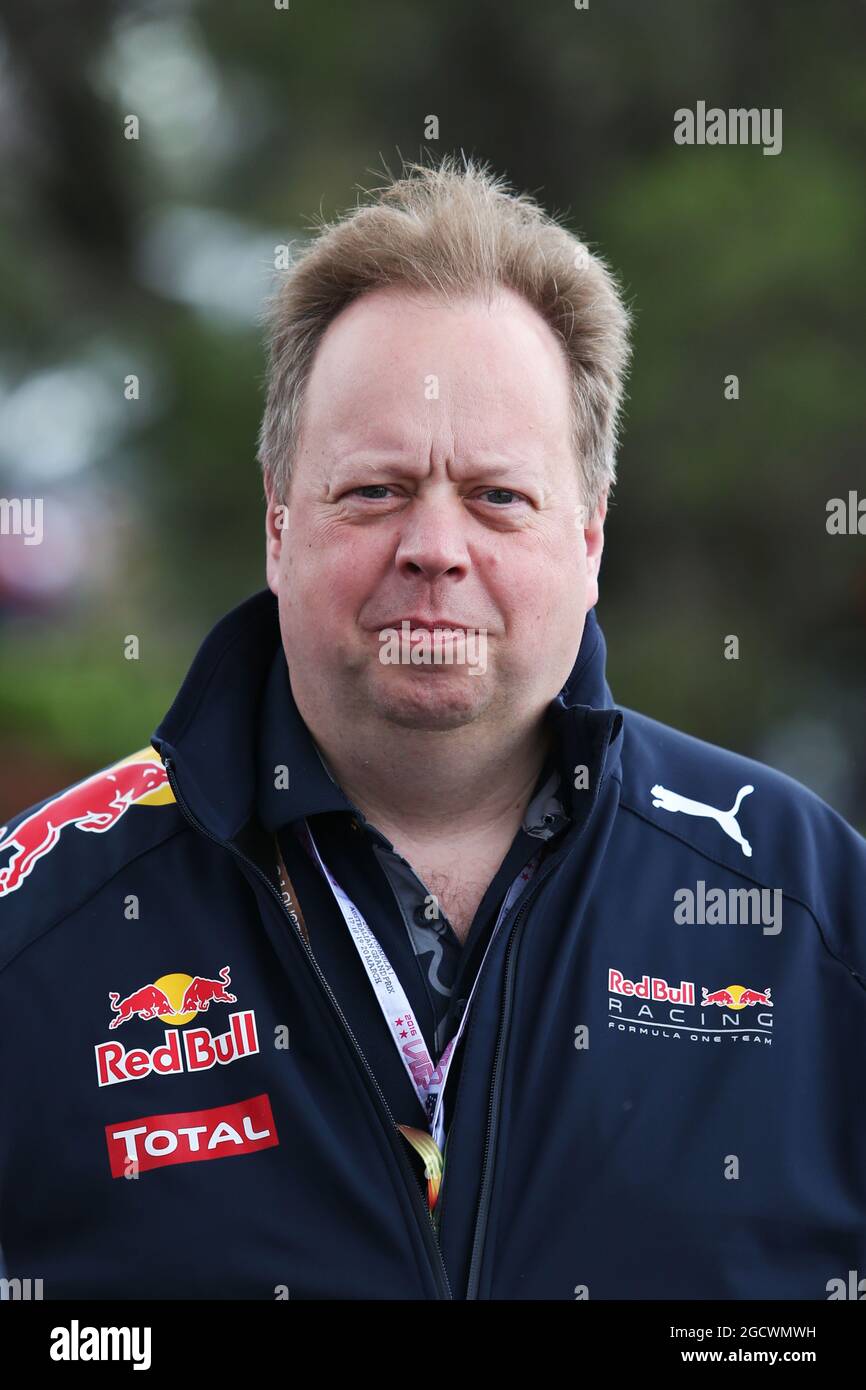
(672, 801)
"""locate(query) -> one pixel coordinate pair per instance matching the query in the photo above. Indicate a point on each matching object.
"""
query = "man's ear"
(593, 533)
(276, 523)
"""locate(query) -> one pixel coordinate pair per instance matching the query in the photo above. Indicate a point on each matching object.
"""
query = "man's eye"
(500, 495)
(368, 488)
(380, 492)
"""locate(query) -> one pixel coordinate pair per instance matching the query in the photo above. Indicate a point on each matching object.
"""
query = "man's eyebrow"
(393, 463)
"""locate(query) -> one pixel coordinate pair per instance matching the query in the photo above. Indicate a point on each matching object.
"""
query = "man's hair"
(457, 231)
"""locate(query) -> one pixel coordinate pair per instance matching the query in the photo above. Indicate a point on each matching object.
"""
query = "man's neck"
(434, 788)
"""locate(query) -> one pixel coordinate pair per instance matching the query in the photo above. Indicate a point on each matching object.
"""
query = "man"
(488, 988)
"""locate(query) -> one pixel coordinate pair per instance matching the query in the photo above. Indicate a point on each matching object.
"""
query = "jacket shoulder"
(60, 851)
(752, 819)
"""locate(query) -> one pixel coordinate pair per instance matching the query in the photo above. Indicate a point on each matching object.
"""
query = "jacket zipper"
(437, 1264)
(492, 1133)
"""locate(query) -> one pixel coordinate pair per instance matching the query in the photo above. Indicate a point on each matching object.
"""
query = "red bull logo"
(95, 805)
(176, 999)
(736, 997)
(153, 1001)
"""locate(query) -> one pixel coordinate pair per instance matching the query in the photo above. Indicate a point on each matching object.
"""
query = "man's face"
(435, 482)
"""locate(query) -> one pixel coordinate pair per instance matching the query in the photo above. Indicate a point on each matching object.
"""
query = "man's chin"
(431, 701)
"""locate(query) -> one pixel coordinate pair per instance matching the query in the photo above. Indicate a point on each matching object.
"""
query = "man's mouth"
(429, 624)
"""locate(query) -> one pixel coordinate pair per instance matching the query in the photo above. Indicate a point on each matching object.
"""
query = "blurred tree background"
(152, 257)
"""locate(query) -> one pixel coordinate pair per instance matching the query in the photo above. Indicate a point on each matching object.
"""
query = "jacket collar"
(234, 720)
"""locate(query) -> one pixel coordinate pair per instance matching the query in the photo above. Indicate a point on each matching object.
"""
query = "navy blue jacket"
(660, 1090)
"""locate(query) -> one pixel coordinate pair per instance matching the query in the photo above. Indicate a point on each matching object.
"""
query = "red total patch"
(190, 1136)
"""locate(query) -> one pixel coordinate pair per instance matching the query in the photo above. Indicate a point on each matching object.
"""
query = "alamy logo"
(24, 1289)
(738, 126)
(672, 801)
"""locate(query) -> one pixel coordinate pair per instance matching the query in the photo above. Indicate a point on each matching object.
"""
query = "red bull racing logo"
(94, 805)
(653, 1007)
(176, 1000)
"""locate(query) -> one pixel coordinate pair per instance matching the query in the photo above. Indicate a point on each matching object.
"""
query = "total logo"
(176, 1000)
(653, 1007)
(193, 1136)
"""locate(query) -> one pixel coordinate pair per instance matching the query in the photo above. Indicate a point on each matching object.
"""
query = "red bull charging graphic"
(94, 805)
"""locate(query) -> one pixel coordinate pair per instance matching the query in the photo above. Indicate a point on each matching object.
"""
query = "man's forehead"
(395, 412)
(385, 338)
(381, 441)
(398, 386)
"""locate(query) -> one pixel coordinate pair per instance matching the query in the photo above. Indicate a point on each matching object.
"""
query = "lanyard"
(428, 1080)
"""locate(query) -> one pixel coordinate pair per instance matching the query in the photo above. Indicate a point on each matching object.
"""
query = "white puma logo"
(672, 801)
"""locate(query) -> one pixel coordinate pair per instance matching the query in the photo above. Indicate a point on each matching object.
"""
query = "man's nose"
(432, 539)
